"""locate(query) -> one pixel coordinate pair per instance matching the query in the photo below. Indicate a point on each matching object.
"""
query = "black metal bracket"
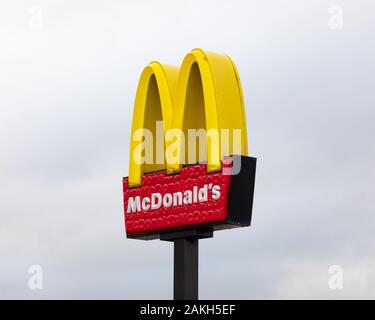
(203, 233)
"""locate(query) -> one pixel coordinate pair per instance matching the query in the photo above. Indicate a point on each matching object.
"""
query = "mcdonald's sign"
(189, 167)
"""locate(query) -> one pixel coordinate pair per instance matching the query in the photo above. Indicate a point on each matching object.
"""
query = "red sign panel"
(193, 198)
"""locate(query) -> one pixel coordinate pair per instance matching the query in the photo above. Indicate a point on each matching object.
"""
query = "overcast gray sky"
(69, 71)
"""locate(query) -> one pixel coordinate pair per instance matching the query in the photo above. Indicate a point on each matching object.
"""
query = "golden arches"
(204, 93)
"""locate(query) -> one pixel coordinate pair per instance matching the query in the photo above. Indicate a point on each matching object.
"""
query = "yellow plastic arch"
(204, 93)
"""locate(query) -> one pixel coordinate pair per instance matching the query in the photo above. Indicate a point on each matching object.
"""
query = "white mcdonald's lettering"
(156, 200)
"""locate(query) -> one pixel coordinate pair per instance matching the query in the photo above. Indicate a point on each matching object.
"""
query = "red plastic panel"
(167, 202)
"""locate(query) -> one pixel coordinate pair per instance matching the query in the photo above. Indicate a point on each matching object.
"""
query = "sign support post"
(185, 269)
(186, 252)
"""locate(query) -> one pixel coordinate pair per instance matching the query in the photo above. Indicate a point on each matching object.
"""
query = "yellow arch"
(206, 81)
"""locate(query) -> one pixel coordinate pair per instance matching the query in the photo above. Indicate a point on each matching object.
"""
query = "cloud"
(65, 115)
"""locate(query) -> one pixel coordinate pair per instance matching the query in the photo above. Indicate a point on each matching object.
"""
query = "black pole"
(185, 269)
(185, 275)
